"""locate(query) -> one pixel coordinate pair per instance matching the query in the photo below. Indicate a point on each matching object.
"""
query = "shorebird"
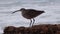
(30, 14)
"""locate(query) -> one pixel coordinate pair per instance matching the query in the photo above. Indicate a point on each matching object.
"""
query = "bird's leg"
(30, 22)
(33, 21)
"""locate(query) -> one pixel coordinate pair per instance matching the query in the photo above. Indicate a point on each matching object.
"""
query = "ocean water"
(51, 15)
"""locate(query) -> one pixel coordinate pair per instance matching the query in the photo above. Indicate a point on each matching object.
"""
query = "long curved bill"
(15, 11)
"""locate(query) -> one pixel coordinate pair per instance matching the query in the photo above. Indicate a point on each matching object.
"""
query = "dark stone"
(37, 29)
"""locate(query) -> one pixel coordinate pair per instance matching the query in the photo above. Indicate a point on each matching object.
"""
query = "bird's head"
(22, 9)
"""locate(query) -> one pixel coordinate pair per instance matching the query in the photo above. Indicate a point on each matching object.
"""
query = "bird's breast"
(26, 15)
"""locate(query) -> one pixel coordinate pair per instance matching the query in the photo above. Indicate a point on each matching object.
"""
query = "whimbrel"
(30, 14)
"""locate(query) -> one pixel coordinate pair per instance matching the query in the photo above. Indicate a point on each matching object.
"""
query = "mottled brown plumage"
(30, 13)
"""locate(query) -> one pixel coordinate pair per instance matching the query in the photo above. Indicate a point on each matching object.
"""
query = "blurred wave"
(51, 15)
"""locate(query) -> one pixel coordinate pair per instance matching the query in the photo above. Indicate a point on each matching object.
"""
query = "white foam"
(51, 15)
